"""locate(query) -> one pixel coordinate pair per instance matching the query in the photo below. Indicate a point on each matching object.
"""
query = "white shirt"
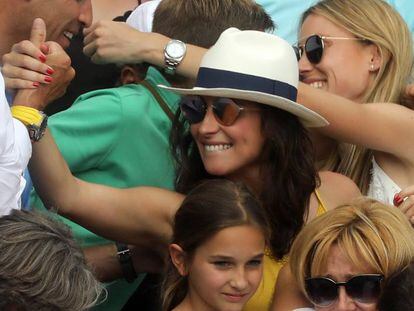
(15, 152)
(381, 187)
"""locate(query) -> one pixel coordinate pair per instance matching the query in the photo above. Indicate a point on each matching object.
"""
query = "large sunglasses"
(314, 46)
(225, 110)
(364, 288)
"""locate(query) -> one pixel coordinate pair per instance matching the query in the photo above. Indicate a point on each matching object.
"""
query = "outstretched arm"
(114, 42)
(141, 215)
(384, 127)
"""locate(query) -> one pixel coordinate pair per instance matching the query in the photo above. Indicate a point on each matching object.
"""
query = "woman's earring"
(371, 67)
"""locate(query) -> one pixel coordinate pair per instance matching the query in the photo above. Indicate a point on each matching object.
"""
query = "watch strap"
(125, 260)
(171, 62)
(33, 119)
(27, 115)
(170, 66)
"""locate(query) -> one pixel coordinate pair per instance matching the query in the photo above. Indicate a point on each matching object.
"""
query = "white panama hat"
(254, 66)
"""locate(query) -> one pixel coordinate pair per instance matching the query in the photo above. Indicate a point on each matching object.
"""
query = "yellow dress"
(262, 299)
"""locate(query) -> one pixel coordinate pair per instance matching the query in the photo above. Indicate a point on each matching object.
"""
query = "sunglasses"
(225, 110)
(314, 46)
(364, 288)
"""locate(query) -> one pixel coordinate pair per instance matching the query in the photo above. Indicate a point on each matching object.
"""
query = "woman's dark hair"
(210, 207)
(287, 172)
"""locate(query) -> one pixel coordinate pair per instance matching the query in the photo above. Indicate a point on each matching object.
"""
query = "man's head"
(41, 266)
(63, 18)
(200, 22)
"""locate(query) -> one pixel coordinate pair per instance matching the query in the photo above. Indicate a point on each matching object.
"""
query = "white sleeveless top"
(381, 187)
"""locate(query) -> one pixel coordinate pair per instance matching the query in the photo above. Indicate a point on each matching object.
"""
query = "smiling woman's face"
(232, 151)
(345, 67)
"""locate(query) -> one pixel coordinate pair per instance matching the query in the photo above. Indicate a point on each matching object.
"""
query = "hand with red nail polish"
(52, 87)
(404, 200)
(57, 62)
(25, 66)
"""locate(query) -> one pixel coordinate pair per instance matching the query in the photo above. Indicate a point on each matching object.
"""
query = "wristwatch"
(174, 53)
(34, 120)
(125, 260)
(37, 130)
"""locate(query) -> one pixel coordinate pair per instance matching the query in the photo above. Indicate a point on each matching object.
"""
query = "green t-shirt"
(118, 137)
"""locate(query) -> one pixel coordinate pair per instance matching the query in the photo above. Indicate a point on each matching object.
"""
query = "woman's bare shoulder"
(337, 189)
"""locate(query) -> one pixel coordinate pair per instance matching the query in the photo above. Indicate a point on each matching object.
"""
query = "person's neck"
(250, 177)
(192, 303)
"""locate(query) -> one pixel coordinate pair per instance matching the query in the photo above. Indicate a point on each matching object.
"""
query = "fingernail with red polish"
(397, 199)
(48, 79)
(42, 58)
(50, 71)
(36, 84)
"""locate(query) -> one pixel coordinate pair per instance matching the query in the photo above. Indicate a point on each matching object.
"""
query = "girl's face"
(346, 65)
(340, 269)
(232, 151)
(226, 270)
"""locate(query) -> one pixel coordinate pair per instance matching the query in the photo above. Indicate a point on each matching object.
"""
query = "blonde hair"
(379, 24)
(372, 235)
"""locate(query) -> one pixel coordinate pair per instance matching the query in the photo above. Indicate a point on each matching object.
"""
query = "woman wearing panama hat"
(239, 122)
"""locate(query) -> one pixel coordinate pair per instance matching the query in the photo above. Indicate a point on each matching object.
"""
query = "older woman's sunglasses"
(225, 110)
(364, 288)
(314, 46)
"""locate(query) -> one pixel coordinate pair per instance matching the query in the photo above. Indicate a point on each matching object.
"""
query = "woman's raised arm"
(384, 127)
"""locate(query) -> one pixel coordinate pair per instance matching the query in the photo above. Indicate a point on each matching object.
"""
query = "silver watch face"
(175, 49)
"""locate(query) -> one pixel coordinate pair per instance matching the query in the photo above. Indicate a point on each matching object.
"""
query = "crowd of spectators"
(208, 155)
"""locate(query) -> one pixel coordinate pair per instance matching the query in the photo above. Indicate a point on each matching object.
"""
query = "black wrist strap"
(125, 260)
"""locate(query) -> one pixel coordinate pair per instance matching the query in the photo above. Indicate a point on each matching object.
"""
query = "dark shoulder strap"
(159, 99)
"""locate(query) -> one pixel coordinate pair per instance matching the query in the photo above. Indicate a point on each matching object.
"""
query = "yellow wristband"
(27, 115)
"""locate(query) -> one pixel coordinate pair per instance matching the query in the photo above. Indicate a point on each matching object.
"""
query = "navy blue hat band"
(216, 78)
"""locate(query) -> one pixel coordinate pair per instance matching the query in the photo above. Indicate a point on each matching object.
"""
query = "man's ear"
(178, 258)
(129, 75)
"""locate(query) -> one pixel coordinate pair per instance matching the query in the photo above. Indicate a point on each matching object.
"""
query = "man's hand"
(24, 66)
(57, 59)
(115, 42)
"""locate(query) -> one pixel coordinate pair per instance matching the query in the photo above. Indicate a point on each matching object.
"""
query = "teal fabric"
(286, 14)
(117, 137)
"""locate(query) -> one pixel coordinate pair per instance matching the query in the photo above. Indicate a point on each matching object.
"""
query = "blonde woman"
(340, 259)
(351, 50)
